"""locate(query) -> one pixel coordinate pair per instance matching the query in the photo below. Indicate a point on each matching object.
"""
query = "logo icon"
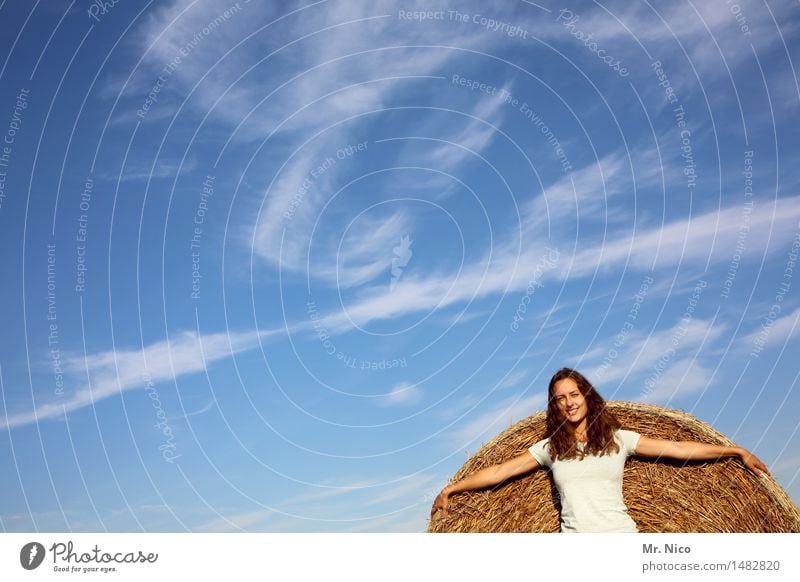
(31, 555)
(402, 254)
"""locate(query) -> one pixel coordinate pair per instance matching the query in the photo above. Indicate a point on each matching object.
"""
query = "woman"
(586, 452)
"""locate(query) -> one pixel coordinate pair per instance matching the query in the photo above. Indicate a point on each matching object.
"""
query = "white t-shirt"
(591, 488)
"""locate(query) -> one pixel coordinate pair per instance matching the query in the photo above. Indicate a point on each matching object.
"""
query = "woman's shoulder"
(624, 431)
(628, 438)
(541, 451)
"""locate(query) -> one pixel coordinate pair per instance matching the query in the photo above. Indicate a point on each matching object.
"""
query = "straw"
(661, 495)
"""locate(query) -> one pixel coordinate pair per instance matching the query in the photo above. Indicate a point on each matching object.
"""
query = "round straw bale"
(661, 495)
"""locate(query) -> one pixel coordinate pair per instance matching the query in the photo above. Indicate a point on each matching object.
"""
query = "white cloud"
(640, 353)
(156, 171)
(402, 394)
(707, 237)
(782, 330)
(239, 522)
(365, 251)
(415, 486)
(342, 67)
(703, 32)
(591, 192)
(499, 417)
(445, 140)
(113, 372)
(512, 379)
(682, 377)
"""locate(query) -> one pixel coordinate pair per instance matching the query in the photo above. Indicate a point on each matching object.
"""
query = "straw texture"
(662, 496)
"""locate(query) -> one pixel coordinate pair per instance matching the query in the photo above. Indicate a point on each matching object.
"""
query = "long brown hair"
(600, 424)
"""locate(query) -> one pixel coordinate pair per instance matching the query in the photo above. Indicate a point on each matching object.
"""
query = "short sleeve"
(629, 440)
(541, 453)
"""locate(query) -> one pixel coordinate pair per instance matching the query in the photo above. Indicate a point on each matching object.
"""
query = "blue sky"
(284, 266)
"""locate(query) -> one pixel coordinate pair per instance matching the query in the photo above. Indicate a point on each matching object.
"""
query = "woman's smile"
(571, 402)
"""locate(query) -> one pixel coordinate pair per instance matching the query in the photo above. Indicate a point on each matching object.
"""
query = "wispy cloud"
(781, 331)
(499, 416)
(512, 379)
(414, 487)
(111, 373)
(364, 252)
(594, 192)
(705, 33)
(683, 376)
(665, 363)
(443, 141)
(238, 522)
(708, 237)
(245, 75)
(338, 500)
(400, 395)
(159, 170)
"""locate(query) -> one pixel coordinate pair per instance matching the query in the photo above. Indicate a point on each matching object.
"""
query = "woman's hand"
(694, 451)
(754, 463)
(442, 502)
(486, 477)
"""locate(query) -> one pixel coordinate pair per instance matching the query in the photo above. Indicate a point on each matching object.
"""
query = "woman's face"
(570, 401)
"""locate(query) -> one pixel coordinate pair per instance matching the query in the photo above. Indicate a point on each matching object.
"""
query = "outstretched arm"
(694, 451)
(485, 478)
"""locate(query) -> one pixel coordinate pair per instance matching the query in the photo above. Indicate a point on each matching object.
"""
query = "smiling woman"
(586, 451)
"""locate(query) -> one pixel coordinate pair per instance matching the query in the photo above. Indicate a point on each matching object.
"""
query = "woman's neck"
(579, 433)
